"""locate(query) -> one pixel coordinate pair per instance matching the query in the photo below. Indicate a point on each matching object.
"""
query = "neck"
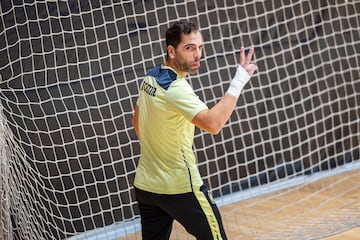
(172, 64)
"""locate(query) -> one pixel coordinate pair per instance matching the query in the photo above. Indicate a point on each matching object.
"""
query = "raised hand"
(243, 73)
(245, 61)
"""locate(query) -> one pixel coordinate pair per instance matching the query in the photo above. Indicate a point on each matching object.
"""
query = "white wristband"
(238, 82)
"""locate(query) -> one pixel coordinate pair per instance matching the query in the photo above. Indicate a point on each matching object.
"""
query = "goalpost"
(280, 168)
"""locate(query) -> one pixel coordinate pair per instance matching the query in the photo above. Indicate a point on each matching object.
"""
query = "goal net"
(285, 166)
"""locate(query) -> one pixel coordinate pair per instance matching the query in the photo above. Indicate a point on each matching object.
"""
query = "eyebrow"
(193, 44)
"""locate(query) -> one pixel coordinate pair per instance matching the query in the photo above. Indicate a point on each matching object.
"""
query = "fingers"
(251, 68)
(245, 60)
(249, 56)
(242, 56)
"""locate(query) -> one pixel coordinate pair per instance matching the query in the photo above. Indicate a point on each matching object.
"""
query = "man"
(167, 184)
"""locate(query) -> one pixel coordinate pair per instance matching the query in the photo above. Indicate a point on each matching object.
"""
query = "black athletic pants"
(196, 211)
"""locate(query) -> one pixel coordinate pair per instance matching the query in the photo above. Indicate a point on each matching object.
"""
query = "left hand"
(245, 61)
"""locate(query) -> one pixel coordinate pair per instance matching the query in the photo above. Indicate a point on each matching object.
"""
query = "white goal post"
(69, 77)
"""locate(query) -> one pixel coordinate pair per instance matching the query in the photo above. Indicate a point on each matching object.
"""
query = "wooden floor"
(331, 207)
(353, 234)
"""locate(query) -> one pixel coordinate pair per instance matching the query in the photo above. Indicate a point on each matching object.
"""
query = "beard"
(187, 67)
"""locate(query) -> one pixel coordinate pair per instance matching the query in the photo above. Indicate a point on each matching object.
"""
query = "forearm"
(214, 119)
(221, 112)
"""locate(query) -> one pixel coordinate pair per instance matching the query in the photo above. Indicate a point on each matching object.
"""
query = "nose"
(198, 53)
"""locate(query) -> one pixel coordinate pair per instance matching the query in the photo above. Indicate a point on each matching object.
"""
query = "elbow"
(210, 128)
(208, 122)
(214, 132)
(214, 128)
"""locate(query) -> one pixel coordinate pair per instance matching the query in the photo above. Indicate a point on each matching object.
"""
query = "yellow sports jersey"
(167, 104)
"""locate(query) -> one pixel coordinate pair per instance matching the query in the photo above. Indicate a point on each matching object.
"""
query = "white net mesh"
(70, 72)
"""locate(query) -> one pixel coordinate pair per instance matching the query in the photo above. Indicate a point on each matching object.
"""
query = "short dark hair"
(173, 34)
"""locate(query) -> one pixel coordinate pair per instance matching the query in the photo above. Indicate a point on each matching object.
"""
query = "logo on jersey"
(149, 89)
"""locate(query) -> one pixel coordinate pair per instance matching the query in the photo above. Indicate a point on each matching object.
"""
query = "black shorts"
(196, 211)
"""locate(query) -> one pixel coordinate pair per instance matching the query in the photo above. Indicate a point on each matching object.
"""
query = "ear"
(171, 51)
